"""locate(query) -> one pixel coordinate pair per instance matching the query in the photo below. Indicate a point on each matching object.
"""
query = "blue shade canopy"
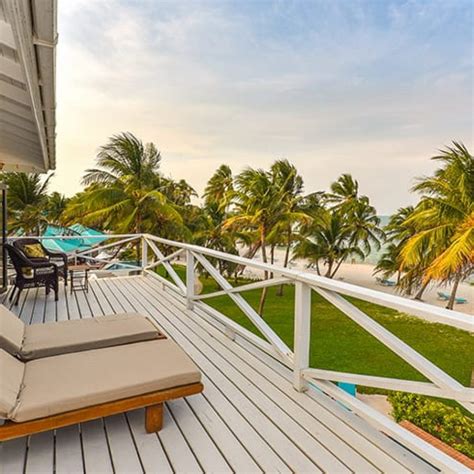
(84, 231)
(72, 245)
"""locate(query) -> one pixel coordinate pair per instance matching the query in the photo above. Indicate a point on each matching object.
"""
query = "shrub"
(445, 422)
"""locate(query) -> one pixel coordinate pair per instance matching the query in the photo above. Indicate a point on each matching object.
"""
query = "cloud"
(373, 88)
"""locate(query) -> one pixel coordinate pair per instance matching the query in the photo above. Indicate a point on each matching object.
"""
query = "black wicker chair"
(59, 258)
(32, 274)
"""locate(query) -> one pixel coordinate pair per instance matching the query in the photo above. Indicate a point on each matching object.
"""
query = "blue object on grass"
(350, 388)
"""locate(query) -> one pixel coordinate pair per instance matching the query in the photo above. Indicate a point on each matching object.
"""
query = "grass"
(337, 343)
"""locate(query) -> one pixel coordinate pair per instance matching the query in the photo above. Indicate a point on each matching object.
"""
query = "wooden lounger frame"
(152, 402)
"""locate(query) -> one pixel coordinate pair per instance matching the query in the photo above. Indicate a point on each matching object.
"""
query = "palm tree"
(27, 197)
(364, 225)
(285, 177)
(344, 192)
(344, 224)
(327, 241)
(56, 206)
(122, 193)
(220, 188)
(258, 206)
(445, 219)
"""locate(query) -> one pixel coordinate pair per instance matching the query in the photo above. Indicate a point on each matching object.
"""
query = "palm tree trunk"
(263, 295)
(452, 297)
(285, 262)
(272, 257)
(422, 290)
(329, 270)
(253, 249)
(337, 268)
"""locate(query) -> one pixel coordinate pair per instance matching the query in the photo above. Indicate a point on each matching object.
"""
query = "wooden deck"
(249, 418)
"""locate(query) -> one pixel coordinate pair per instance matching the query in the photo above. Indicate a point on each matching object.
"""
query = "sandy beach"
(361, 274)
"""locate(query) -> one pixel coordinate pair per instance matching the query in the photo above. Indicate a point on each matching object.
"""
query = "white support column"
(189, 279)
(144, 254)
(302, 334)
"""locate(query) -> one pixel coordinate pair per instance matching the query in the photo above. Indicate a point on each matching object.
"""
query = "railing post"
(302, 334)
(189, 279)
(144, 253)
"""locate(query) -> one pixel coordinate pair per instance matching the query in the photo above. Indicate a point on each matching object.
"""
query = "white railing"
(440, 384)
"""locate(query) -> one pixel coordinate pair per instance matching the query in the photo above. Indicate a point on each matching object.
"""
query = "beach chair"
(32, 273)
(445, 297)
(52, 392)
(35, 250)
(385, 282)
(35, 341)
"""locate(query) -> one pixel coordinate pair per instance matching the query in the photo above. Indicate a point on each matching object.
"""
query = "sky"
(372, 88)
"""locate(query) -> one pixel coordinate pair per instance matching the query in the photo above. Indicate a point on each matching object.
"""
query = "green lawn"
(337, 343)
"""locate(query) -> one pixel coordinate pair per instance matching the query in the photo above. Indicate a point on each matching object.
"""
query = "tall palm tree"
(363, 224)
(445, 219)
(258, 206)
(220, 188)
(122, 192)
(27, 198)
(285, 177)
(327, 241)
(344, 193)
(344, 224)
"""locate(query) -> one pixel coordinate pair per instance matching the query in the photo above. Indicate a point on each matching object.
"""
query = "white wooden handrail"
(411, 386)
(240, 289)
(415, 308)
(177, 280)
(442, 385)
(403, 350)
(245, 307)
(168, 258)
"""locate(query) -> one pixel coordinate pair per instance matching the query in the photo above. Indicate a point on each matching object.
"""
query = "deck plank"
(210, 457)
(105, 305)
(179, 453)
(69, 450)
(122, 448)
(151, 451)
(95, 446)
(40, 453)
(13, 456)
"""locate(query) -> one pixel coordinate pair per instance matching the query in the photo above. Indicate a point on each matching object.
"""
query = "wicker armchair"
(32, 274)
(59, 258)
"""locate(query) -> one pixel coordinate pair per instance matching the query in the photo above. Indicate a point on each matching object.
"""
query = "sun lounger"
(52, 392)
(445, 297)
(385, 282)
(34, 341)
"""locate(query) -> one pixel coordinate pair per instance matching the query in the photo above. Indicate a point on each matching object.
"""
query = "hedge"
(447, 423)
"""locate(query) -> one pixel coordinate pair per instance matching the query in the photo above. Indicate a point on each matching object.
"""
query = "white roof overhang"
(28, 36)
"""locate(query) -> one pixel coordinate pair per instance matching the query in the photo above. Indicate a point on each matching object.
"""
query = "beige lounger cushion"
(11, 376)
(83, 379)
(50, 339)
(12, 330)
